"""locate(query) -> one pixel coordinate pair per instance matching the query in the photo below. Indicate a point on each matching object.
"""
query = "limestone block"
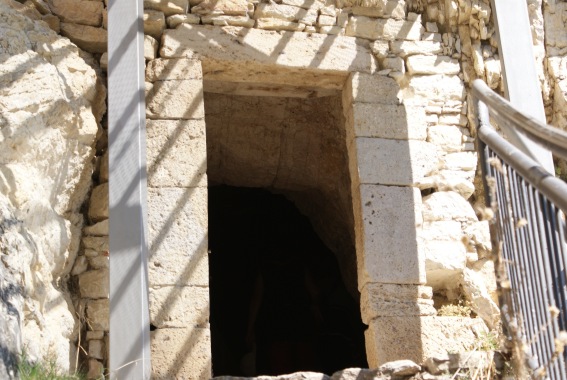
(176, 153)
(78, 12)
(276, 24)
(253, 49)
(96, 349)
(394, 63)
(179, 306)
(464, 161)
(99, 262)
(331, 30)
(400, 368)
(449, 180)
(391, 300)
(478, 235)
(381, 49)
(305, 4)
(386, 236)
(98, 244)
(478, 295)
(432, 64)
(418, 338)
(389, 121)
(173, 69)
(178, 236)
(98, 205)
(80, 266)
(95, 335)
(493, 71)
(53, 22)
(151, 46)
(226, 7)
(223, 20)
(154, 23)
(42, 7)
(447, 205)
(437, 88)
(88, 38)
(454, 119)
(447, 137)
(394, 162)
(284, 12)
(183, 353)
(385, 29)
(445, 254)
(94, 284)
(378, 89)
(330, 10)
(168, 7)
(555, 25)
(174, 20)
(407, 48)
(175, 99)
(103, 170)
(324, 20)
(96, 369)
(98, 314)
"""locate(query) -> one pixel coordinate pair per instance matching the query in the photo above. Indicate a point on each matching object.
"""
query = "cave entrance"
(268, 265)
(281, 223)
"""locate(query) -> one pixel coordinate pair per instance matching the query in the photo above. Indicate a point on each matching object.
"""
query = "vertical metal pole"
(129, 316)
(521, 83)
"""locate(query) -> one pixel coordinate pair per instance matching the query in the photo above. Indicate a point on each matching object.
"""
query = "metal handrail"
(550, 137)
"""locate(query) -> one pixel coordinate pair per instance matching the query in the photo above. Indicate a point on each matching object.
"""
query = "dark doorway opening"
(278, 303)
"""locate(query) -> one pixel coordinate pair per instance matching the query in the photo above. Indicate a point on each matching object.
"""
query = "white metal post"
(129, 316)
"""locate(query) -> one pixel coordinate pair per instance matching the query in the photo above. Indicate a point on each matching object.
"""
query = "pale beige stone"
(104, 18)
(96, 369)
(394, 64)
(478, 295)
(88, 38)
(423, 337)
(555, 25)
(177, 223)
(95, 335)
(104, 62)
(389, 29)
(154, 23)
(244, 21)
(394, 162)
(402, 367)
(430, 64)
(99, 262)
(408, 48)
(42, 7)
(381, 49)
(436, 88)
(384, 9)
(168, 7)
(389, 121)
(493, 71)
(173, 69)
(331, 30)
(176, 153)
(447, 205)
(324, 20)
(366, 88)
(276, 24)
(78, 12)
(181, 353)
(306, 4)
(459, 161)
(96, 349)
(94, 284)
(53, 22)
(98, 244)
(175, 99)
(103, 170)
(226, 7)
(81, 265)
(391, 300)
(253, 49)
(387, 250)
(179, 306)
(282, 12)
(98, 205)
(479, 236)
(448, 138)
(151, 46)
(175, 20)
(98, 314)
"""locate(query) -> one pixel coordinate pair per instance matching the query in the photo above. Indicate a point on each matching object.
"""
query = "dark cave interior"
(278, 303)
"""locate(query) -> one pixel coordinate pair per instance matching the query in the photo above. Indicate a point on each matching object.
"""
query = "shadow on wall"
(277, 298)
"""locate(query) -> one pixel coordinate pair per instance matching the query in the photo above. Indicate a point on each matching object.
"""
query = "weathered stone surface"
(389, 121)
(53, 22)
(285, 12)
(154, 23)
(407, 48)
(96, 369)
(96, 349)
(400, 368)
(176, 153)
(324, 20)
(223, 20)
(386, 29)
(436, 88)
(394, 300)
(448, 138)
(331, 30)
(555, 25)
(78, 12)
(88, 38)
(226, 7)
(174, 20)
(383, 9)
(99, 262)
(151, 46)
(394, 162)
(168, 7)
(306, 4)
(81, 265)
(179, 306)
(364, 88)
(179, 99)
(478, 235)
(386, 235)
(447, 205)
(463, 161)
(183, 353)
(476, 291)
(95, 335)
(98, 207)
(423, 337)
(173, 69)
(253, 48)
(98, 313)
(432, 64)
(279, 25)
(94, 284)
(177, 220)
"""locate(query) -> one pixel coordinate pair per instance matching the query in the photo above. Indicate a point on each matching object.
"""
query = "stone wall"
(50, 104)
